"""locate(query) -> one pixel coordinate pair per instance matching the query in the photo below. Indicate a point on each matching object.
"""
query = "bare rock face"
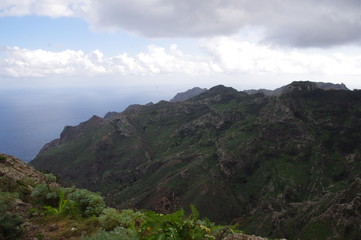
(16, 169)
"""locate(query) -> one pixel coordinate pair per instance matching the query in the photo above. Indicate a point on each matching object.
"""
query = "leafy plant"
(63, 207)
(174, 226)
(89, 203)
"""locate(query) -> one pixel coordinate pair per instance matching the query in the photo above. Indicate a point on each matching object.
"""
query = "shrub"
(7, 198)
(2, 158)
(117, 234)
(49, 179)
(10, 185)
(111, 218)
(10, 225)
(177, 226)
(89, 203)
(43, 195)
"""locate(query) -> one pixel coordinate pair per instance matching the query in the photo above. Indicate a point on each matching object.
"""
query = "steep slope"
(260, 161)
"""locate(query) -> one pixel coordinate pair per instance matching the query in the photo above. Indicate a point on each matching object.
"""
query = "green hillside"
(279, 166)
(34, 206)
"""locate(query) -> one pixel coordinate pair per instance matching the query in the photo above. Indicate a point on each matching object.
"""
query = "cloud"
(233, 55)
(50, 8)
(221, 56)
(21, 62)
(306, 23)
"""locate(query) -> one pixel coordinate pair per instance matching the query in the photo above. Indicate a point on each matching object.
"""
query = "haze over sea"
(31, 118)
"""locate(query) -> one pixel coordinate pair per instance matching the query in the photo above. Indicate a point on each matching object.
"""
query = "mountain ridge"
(278, 91)
(248, 158)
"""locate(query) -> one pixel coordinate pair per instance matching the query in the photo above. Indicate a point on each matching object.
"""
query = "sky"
(166, 46)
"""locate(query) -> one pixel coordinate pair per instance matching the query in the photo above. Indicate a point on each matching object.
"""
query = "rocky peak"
(110, 114)
(300, 86)
(183, 96)
(71, 132)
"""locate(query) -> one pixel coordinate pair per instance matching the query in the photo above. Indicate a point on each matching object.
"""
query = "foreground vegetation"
(73, 213)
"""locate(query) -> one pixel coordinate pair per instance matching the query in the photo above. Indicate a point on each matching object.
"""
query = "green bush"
(177, 226)
(20, 187)
(119, 233)
(50, 178)
(43, 195)
(170, 226)
(89, 203)
(112, 218)
(7, 198)
(129, 224)
(2, 158)
(109, 219)
(10, 225)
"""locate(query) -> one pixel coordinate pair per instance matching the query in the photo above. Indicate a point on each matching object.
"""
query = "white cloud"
(235, 55)
(50, 8)
(297, 23)
(306, 23)
(157, 60)
(222, 55)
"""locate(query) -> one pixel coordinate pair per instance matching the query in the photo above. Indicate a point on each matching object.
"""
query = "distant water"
(30, 119)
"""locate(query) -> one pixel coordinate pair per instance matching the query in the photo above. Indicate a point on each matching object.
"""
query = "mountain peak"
(300, 86)
(183, 96)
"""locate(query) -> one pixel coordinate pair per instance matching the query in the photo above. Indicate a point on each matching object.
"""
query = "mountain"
(183, 96)
(279, 166)
(278, 91)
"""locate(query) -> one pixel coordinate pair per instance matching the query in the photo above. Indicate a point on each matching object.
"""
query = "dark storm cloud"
(307, 23)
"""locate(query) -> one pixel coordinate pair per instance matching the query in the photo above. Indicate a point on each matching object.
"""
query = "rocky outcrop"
(73, 132)
(300, 87)
(15, 169)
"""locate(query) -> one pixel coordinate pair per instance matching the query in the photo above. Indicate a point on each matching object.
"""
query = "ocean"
(31, 118)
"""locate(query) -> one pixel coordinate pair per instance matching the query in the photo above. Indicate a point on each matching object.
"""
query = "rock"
(241, 236)
(53, 227)
(16, 170)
